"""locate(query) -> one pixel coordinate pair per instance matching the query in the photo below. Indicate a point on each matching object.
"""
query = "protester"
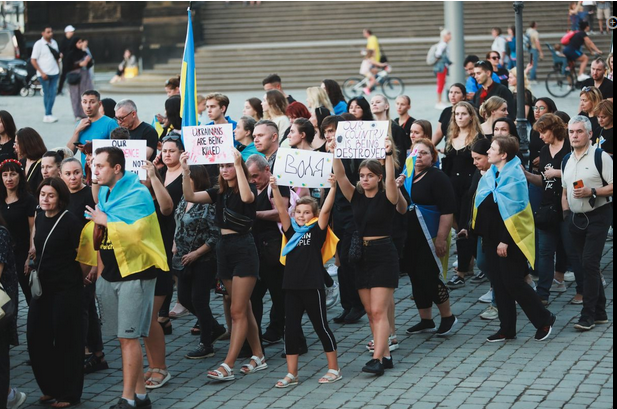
(599, 80)
(502, 195)
(243, 136)
(604, 113)
(172, 122)
(590, 98)
(216, 108)
(429, 222)
(50, 164)
(107, 107)
(493, 109)
(54, 331)
(472, 85)
(308, 245)
(574, 50)
(335, 94)
(404, 120)
(253, 108)
(456, 94)
(380, 108)
(360, 109)
(317, 100)
(542, 107)
(483, 72)
(273, 82)
(237, 259)
(295, 110)
(77, 62)
(495, 59)
(529, 98)
(609, 66)
(587, 189)
(29, 147)
(127, 68)
(274, 106)
(44, 59)
(7, 136)
(440, 69)
(126, 116)
(266, 139)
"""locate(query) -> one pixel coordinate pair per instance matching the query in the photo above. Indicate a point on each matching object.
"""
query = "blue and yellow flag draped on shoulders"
(132, 228)
(328, 250)
(188, 83)
(511, 193)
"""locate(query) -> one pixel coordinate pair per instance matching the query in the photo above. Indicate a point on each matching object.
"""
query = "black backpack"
(597, 158)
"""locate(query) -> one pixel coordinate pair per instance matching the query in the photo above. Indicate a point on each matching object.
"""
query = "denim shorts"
(237, 256)
(379, 267)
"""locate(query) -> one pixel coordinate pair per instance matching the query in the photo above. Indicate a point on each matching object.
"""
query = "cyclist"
(369, 67)
(574, 50)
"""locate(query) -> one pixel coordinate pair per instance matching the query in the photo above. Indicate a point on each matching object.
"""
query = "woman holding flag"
(502, 216)
(429, 222)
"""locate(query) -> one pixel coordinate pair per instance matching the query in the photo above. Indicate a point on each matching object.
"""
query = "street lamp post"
(521, 120)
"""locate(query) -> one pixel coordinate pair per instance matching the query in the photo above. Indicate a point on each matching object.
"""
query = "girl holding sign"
(237, 259)
(308, 243)
(374, 204)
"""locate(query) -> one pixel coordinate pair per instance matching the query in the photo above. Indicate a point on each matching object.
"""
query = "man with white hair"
(126, 116)
(587, 178)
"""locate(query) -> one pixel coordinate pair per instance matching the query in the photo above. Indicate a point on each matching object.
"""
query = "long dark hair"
(172, 108)
(552, 107)
(367, 115)
(64, 194)
(30, 143)
(377, 169)
(200, 177)
(12, 166)
(334, 91)
(8, 123)
(224, 186)
(255, 103)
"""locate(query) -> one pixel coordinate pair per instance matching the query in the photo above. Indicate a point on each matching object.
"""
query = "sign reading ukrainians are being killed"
(300, 168)
(209, 144)
(361, 140)
(134, 153)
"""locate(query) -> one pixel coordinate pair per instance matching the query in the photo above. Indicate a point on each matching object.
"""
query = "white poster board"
(209, 144)
(300, 168)
(135, 151)
(361, 140)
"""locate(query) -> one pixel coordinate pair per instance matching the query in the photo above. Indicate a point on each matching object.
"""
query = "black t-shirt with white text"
(304, 268)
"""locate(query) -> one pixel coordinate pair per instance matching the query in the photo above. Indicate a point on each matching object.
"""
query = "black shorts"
(237, 256)
(379, 267)
(164, 283)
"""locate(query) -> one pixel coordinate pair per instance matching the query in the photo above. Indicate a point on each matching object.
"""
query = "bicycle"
(391, 87)
(562, 80)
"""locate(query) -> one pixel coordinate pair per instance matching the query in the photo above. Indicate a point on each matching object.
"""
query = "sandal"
(46, 399)
(196, 330)
(147, 374)
(331, 376)
(63, 404)
(219, 376)
(157, 383)
(260, 365)
(284, 383)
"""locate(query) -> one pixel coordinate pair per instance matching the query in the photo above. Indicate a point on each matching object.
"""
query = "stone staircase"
(306, 42)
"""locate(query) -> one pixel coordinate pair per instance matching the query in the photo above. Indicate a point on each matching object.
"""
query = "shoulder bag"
(35, 282)
(236, 221)
(7, 308)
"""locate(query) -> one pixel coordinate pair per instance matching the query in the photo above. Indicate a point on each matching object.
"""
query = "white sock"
(141, 397)
(12, 395)
(130, 401)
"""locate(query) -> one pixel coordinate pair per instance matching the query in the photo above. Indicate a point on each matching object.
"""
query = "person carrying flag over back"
(125, 233)
(502, 216)
(308, 243)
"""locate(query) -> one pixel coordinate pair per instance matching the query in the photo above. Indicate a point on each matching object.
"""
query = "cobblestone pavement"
(571, 370)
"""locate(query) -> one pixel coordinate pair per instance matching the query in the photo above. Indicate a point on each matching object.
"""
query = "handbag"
(8, 308)
(236, 221)
(548, 217)
(35, 282)
(355, 248)
(73, 78)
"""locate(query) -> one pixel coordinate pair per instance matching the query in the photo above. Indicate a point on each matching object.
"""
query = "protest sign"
(361, 140)
(134, 153)
(300, 168)
(209, 144)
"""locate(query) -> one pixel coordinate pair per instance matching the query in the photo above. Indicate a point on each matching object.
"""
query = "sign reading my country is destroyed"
(361, 140)
(209, 144)
(300, 168)
(134, 153)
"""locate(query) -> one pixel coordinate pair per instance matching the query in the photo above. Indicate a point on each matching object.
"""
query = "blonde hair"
(200, 99)
(514, 71)
(595, 97)
(491, 105)
(454, 130)
(318, 97)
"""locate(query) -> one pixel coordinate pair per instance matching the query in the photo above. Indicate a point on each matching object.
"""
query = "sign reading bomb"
(134, 153)
(361, 140)
(209, 144)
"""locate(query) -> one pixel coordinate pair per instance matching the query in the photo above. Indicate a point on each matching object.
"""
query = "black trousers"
(589, 232)
(194, 286)
(24, 281)
(314, 303)
(91, 322)
(56, 343)
(5, 369)
(350, 297)
(271, 280)
(507, 275)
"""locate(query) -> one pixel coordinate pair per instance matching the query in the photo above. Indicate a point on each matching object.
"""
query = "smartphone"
(531, 59)
(78, 145)
(579, 184)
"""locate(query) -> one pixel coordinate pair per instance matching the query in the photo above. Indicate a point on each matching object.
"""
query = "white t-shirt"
(499, 45)
(44, 57)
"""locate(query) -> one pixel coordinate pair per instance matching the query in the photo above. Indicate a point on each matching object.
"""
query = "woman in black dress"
(30, 148)
(7, 136)
(456, 94)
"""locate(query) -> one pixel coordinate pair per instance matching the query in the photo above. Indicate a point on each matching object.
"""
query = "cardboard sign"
(209, 144)
(135, 152)
(361, 140)
(300, 168)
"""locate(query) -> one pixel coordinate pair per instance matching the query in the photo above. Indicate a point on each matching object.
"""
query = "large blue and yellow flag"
(132, 228)
(188, 84)
(328, 250)
(511, 193)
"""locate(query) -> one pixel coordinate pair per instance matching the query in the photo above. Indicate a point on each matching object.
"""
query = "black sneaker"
(456, 282)
(201, 352)
(479, 278)
(388, 363)
(374, 367)
(584, 324)
(218, 332)
(499, 338)
(355, 315)
(543, 332)
(143, 404)
(423, 327)
(446, 325)
(123, 404)
(271, 337)
(94, 363)
(341, 317)
(601, 320)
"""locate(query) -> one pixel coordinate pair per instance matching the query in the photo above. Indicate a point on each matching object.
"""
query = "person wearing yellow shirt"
(372, 43)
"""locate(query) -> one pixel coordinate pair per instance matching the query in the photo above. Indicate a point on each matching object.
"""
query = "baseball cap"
(69, 29)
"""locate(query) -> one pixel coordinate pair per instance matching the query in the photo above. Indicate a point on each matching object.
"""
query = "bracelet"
(389, 153)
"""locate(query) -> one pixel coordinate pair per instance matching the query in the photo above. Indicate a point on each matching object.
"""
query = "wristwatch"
(594, 196)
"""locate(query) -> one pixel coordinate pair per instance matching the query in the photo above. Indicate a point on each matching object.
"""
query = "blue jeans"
(549, 242)
(535, 54)
(483, 266)
(50, 88)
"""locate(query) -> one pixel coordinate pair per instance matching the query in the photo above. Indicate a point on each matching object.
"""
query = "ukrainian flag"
(188, 84)
(328, 250)
(510, 192)
(132, 228)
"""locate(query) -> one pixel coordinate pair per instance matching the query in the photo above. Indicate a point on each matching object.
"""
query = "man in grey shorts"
(124, 290)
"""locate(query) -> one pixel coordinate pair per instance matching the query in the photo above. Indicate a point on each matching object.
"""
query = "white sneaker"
(583, 77)
(491, 313)
(333, 270)
(332, 295)
(569, 277)
(52, 118)
(487, 298)
(17, 401)
(558, 287)
(46, 118)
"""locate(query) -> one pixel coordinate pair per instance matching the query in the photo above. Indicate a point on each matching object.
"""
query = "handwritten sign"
(209, 144)
(134, 153)
(361, 140)
(300, 168)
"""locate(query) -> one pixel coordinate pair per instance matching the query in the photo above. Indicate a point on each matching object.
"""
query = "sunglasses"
(122, 118)
(586, 89)
(494, 58)
(171, 138)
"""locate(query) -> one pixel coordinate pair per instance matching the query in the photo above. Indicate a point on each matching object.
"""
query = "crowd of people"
(81, 235)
